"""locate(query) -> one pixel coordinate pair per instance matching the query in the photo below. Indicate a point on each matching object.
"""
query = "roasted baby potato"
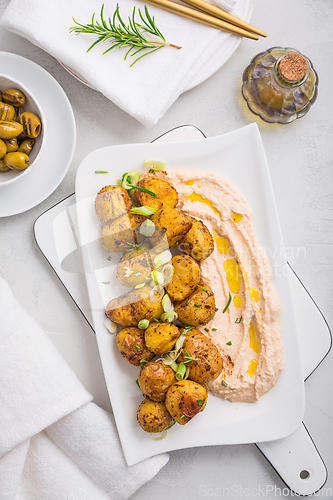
(122, 233)
(198, 308)
(166, 194)
(186, 277)
(153, 416)
(208, 364)
(154, 379)
(111, 202)
(161, 337)
(198, 242)
(137, 304)
(185, 399)
(135, 266)
(172, 223)
(131, 345)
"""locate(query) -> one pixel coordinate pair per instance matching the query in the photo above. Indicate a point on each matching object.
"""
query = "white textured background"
(300, 160)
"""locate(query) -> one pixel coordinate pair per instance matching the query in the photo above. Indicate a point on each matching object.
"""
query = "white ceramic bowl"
(31, 104)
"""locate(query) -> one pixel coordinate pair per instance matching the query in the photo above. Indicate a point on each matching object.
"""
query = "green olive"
(12, 145)
(14, 97)
(7, 112)
(3, 148)
(16, 161)
(3, 167)
(31, 124)
(8, 130)
(26, 146)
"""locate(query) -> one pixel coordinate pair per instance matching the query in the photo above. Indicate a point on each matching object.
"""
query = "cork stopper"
(293, 67)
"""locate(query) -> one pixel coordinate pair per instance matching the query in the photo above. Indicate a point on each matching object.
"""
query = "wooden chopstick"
(225, 16)
(201, 17)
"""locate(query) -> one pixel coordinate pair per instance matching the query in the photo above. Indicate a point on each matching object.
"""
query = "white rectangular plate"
(239, 156)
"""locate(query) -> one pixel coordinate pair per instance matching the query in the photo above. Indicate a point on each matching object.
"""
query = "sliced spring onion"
(156, 293)
(155, 165)
(206, 329)
(182, 416)
(144, 210)
(162, 258)
(130, 179)
(159, 438)
(166, 303)
(140, 285)
(152, 283)
(137, 274)
(214, 329)
(202, 288)
(147, 228)
(157, 277)
(228, 303)
(180, 342)
(137, 383)
(128, 272)
(109, 258)
(109, 325)
(138, 348)
(143, 361)
(187, 302)
(174, 366)
(224, 383)
(180, 373)
(101, 172)
(106, 282)
(167, 272)
(143, 324)
(145, 190)
(238, 320)
(197, 305)
(199, 401)
(171, 426)
(169, 316)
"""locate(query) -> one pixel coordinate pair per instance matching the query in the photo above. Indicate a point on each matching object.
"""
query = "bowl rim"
(42, 117)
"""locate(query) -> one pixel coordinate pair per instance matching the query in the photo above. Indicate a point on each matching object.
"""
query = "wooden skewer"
(225, 16)
(201, 17)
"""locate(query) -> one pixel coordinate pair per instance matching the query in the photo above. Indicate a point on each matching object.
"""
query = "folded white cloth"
(146, 90)
(54, 443)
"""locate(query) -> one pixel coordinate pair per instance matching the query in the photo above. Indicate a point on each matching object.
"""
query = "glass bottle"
(280, 85)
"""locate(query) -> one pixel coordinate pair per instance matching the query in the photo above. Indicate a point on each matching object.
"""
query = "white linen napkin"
(54, 443)
(146, 90)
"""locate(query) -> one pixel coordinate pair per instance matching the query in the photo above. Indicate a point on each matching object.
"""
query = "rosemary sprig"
(121, 35)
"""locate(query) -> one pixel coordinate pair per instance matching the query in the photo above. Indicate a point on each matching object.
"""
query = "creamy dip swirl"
(251, 347)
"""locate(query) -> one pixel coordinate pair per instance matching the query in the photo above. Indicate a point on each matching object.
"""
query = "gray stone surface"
(300, 162)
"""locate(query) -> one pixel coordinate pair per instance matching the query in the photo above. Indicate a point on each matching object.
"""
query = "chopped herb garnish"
(206, 329)
(146, 191)
(151, 171)
(188, 358)
(238, 320)
(199, 401)
(224, 383)
(214, 329)
(137, 383)
(177, 243)
(175, 420)
(105, 282)
(229, 343)
(187, 302)
(228, 303)
(113, 211)
(101, 172)
(143, 361)
(109, 258)
(137, 274)
(157, 321)
(197, 305)
(202, 288)
(138, 348)
(182, 416)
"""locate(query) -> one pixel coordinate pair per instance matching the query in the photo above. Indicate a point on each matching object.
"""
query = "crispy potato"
(111, 202)
(198, 242)
(154, 379)
(208, 364)
(135, 266)
(166, 194)
(131, 345)
(198, 308)
(161, 337)
(172, 223)
(122, 233)
(185, 278)
(153, 416)
(134, 306)
(185, 399)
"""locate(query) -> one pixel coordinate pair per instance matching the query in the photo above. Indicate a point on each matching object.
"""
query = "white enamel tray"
(239, 156)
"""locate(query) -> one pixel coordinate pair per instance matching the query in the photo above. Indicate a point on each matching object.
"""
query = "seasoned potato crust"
(166, 194)
(185, 399)
(198, 242)
(131, 345)
(122, 233)
(161, 337)
(198, 308)
(185, 278)
(171, 223)
(155, 378)
(111, 202)
(153, 416)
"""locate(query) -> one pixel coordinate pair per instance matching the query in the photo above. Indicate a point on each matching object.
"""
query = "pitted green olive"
(8, 130)
(7, 112)
(3, 167)
(26, 146)
(16, 161)
(3, 148)
(12, 145)
(14, 97)
(31, 124)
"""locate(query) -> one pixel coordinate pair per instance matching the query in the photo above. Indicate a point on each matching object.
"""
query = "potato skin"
(154, 379)
(182, 400)
(111, 202)
(153, 416)
(190, 314)
(185, 278)
(131, 345)
(118, 235)
(198, 242)
(171, 223)
(209, 362)
(161, 337)
(137, 261)
(130, 308)
(167, 194)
